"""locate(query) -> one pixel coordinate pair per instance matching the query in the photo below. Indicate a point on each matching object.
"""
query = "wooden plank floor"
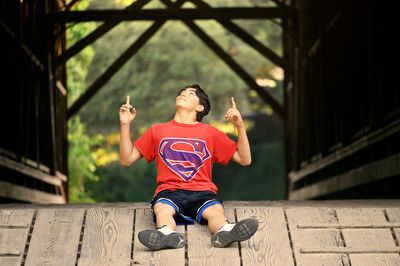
(290, 233)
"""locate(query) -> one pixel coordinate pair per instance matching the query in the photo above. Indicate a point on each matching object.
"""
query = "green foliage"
(81, 163)
(118, 183)
(263, 179)
(77, 68)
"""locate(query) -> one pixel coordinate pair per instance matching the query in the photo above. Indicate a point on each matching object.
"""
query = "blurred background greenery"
(173, 58)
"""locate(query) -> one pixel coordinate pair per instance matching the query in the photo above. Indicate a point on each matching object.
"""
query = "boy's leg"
(165, 235)
(164, 215)
(215, 217)
(224, 233)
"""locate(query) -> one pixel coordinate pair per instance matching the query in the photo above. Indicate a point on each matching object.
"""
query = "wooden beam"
(278, 3)
(53, 163)
(121, 60)
(61, 88)
(247, 78)
(29, 171)
(378, 170)
(71, 4)
(97, 33)
(12, 191)
(344, 152)
(23, 47)
(246, 37)
(8, 153)
(178, 14)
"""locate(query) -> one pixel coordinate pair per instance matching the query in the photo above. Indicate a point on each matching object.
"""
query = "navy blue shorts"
(188, 205)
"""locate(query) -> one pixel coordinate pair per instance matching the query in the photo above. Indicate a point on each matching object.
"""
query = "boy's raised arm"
(242, 155)
(128, 153)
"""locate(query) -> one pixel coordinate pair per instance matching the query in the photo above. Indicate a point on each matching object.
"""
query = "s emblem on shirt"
(184, 156)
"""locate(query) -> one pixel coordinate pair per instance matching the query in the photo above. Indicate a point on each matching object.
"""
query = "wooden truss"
(161, 16)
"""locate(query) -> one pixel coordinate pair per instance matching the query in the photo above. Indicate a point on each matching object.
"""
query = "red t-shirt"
(185, 154)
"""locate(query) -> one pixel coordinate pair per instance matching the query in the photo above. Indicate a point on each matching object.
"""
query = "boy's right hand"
(234, 115)
(127, 112)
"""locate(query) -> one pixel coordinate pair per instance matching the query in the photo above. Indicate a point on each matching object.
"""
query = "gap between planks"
(349, 250)
(354, 226)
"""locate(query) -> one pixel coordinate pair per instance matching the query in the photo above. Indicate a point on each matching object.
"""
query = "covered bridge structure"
(341, 114)
(341, 106)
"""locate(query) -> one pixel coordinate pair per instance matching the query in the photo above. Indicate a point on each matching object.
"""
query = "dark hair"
(203, 99)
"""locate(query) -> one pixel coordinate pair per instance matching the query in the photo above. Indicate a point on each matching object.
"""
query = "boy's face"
(188, 99)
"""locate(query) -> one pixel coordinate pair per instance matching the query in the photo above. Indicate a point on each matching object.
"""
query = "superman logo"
(183, 156)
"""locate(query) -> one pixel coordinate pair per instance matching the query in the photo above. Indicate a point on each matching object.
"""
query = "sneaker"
(243, 230)
(155, 240)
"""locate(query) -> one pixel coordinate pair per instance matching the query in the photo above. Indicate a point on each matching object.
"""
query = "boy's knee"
(216, 208)
(213, 210)
(163, 209)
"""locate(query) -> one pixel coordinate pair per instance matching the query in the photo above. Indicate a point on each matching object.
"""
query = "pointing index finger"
(233, 103)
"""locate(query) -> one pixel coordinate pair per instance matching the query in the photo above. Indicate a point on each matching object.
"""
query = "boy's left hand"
(233, 115)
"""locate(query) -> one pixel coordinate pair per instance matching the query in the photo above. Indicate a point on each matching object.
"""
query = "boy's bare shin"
(215, 217)
(165, 215)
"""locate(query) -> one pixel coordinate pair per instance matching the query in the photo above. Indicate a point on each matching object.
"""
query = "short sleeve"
(145, 144)
(224, 148)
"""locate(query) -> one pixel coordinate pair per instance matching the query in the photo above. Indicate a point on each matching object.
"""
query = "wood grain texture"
(104, 262)
(142, 255)
(107, 238)
(10, 261)
(310, 238)
(362, 229)
(393, 215)
(378, 239)
(16, 217)
(214, 261)
(200, 249)
(375, 260)
(55, 237)
(270, 245)
(13, 235)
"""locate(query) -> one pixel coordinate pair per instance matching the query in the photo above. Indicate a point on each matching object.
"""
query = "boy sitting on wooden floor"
(185, 150)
